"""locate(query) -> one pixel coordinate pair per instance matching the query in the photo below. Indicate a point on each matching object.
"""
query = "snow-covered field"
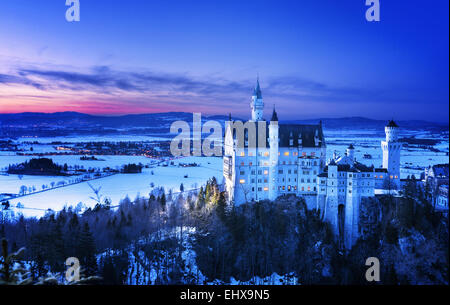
(115, 187)
(369, 142)
(119, 186)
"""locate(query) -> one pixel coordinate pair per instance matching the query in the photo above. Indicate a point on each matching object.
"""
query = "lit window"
(242, 181)
(266, 154)
(376, 176)
(266, 188)
(242, 154)
(313, 154)
(309, 188)
(381, 176)
(266, 172)
(396, 177)
(392, 177)
(286, 153)
(304, 154)
(295, 153)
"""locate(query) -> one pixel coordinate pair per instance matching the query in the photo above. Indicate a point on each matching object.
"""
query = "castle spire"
(257, 91)
(274, 115)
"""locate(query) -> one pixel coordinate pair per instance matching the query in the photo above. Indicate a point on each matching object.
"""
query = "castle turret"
(273, 156)
(257, 103)
(391, 152)
(351, 152)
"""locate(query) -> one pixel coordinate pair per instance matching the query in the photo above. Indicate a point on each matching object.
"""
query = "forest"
(196, 238)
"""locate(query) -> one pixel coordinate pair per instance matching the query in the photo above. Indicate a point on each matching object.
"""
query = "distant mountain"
(366, 123)
(64, 123)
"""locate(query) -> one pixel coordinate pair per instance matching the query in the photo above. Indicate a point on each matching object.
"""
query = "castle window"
(315, 162)
(265, 180)
(259, 189)
(259, 172)
(242, 163)
(315, 189)
(284, 187)
(266, 154)
(376, 176)
(280, 171)
(253, 180)
(295, 153)
(241, 173)
(304, 154)
(349, 191)
(250, 163)
(266, 188)
(266, 172)
(242, 154)
(289, 171)
(286, 153)
(309, 188)
(381, 176)
(242, 181)
(313, 154)
(391, 177)
(289, 188)
(295, 171)
(303, 188)
(396, 177)
(253, 172)
(250, 154)
(253, 189)
(259, 180)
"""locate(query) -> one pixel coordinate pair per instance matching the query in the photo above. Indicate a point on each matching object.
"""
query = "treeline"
(39, 166)
(132, 168)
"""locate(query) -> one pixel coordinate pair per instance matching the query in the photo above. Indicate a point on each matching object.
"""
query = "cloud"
(146, 89)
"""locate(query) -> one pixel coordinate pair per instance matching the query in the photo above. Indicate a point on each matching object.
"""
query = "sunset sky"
(314, 58)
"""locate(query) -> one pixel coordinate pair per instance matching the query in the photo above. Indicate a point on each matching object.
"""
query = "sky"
(315, 59)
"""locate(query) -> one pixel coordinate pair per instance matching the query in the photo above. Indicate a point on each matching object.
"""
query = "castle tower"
(273, 156)
(331, 204)
(351, 152)
(257, 103)
(391, 152)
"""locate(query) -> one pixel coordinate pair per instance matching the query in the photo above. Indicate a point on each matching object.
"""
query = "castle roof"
(274, 116)
(356, 167)
(391, 123)
(286, 132)
(307, 134)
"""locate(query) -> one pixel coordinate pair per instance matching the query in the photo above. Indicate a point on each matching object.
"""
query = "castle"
(291, 159)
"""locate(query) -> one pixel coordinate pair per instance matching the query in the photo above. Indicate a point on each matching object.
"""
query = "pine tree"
(88, 260)
(162, 200)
